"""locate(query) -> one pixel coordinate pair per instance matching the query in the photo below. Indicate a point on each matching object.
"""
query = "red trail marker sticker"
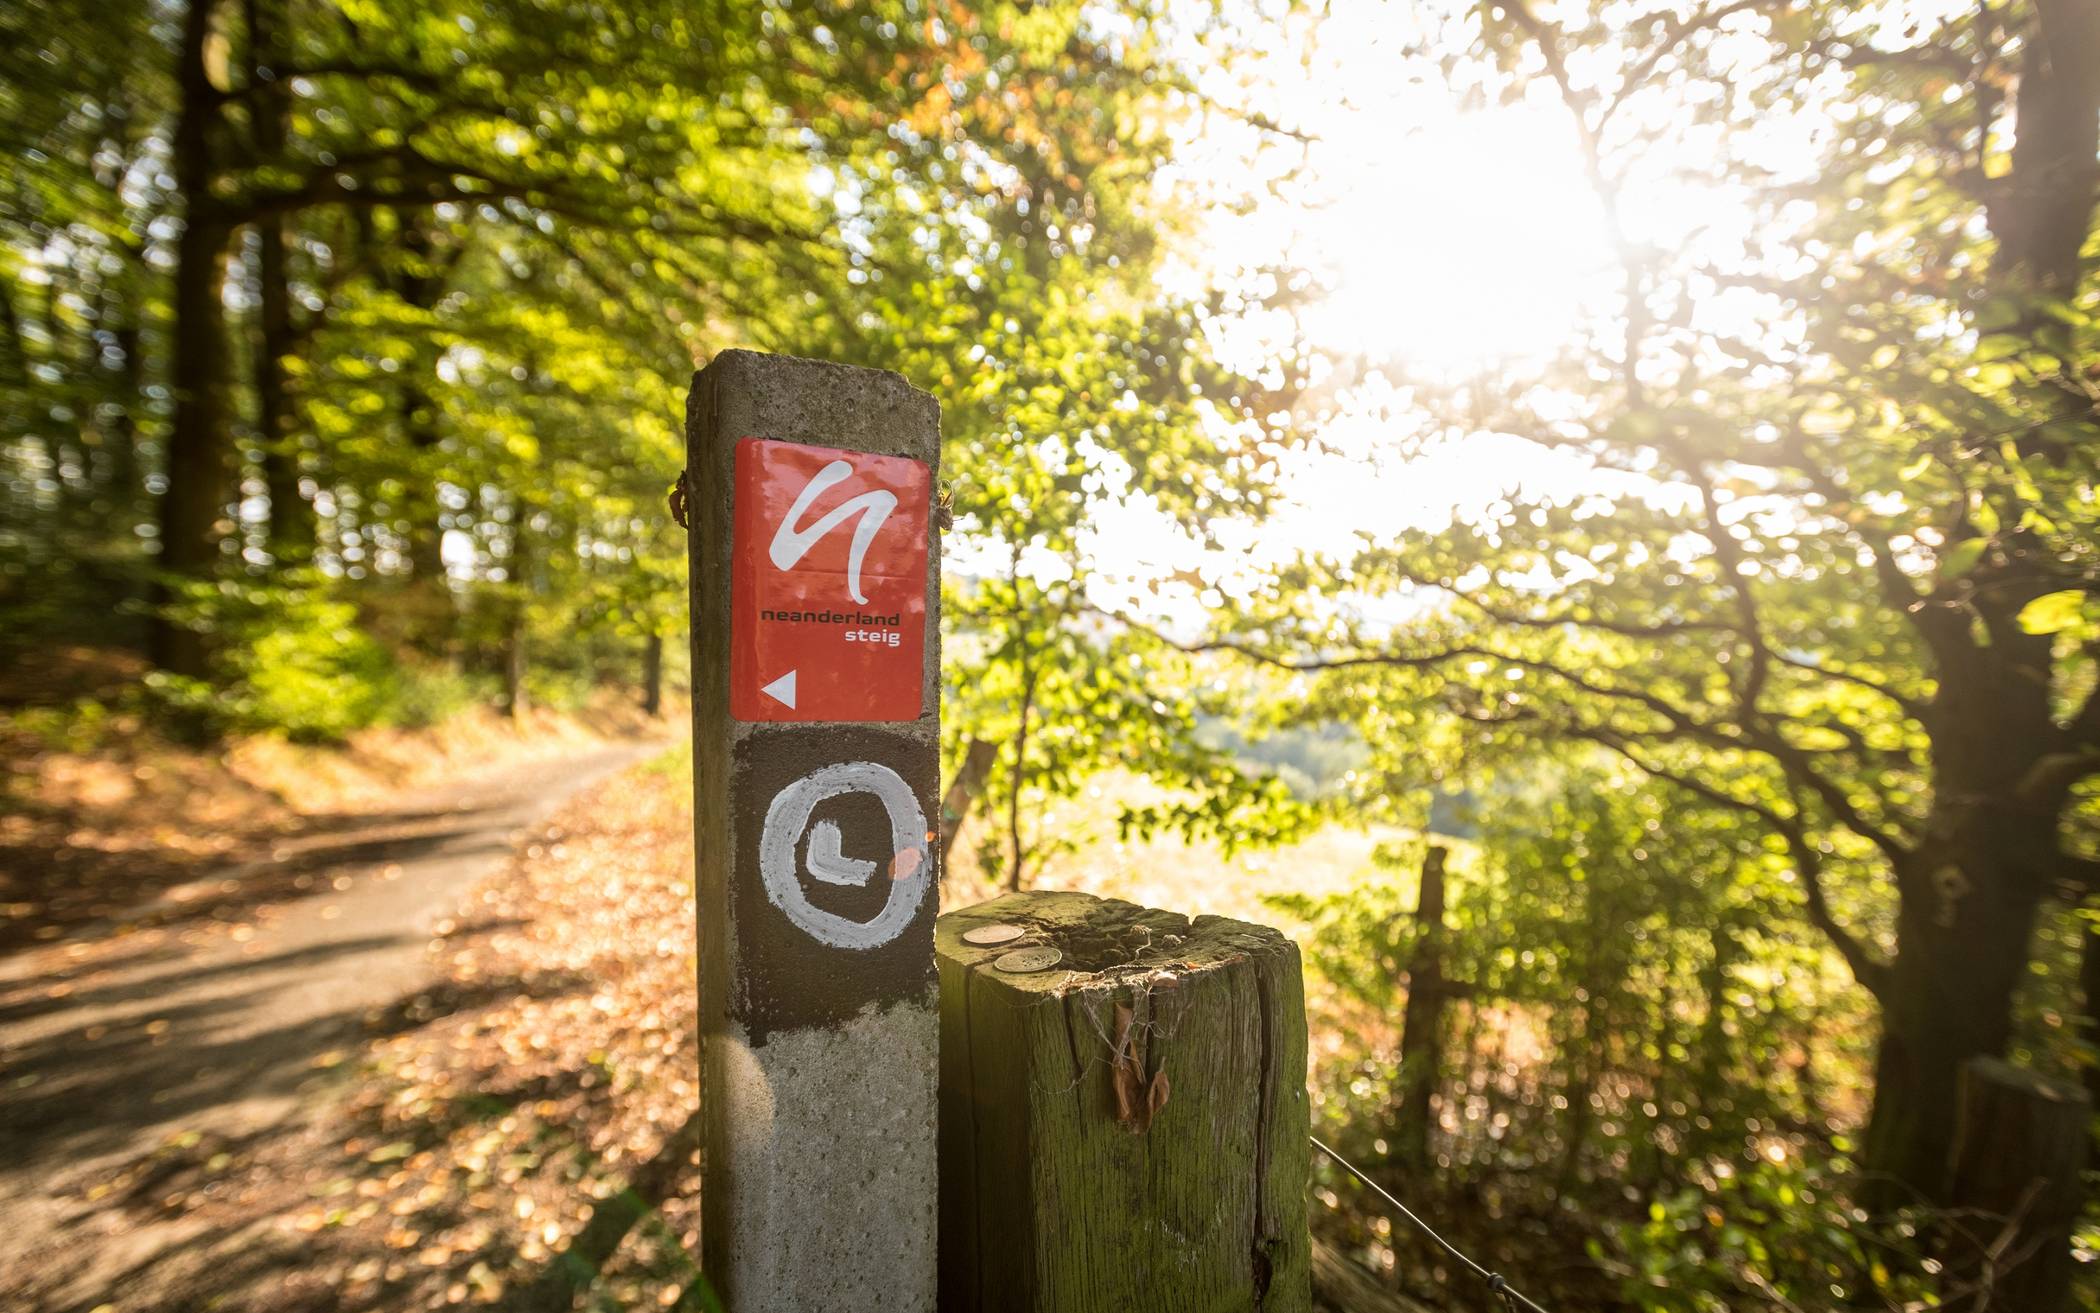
(827, 590)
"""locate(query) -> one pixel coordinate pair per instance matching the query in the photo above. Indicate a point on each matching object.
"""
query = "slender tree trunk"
(2089, 986)
(653, 674)
(1714, 980)
(74, 446)
(196, 473)
(962, 791)
(520, 597)
(1016, 851)
(423, 513)
(291, 525)
(291, 528)
(514, 663)
(1422, 1020)
(2042, 210)
(124, 422)
(420, 284)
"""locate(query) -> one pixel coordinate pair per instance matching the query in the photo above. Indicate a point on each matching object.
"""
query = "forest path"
(131, 1063)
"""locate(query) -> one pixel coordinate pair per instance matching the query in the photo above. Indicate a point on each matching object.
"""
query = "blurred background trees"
(1731, 757)
(313, 306)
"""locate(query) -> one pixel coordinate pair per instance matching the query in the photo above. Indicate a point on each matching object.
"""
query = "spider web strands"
(1496, 1282)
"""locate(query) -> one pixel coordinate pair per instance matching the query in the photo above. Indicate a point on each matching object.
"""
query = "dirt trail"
(127, 1060)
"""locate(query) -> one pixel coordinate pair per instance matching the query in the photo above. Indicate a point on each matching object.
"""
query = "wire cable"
(1496, 1282)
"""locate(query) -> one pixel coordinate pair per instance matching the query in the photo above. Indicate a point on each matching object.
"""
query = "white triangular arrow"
(782, 689)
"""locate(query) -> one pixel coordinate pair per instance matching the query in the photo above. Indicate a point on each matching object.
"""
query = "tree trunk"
(291, 526)
(1714, 981)
(1422, 1021)
(1972, 888)
(2089, 986)
(124, 423)
(514, 664)
(962, 792)
(653, 674)
(1963, 935)
(422, 512)
(519, 567)
(420, 283)
(291, 529)
(195, 495)
(2016, 1163)
(1017, 778)
(2042, 211)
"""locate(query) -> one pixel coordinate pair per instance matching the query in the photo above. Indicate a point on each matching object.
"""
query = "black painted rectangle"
(856, 804)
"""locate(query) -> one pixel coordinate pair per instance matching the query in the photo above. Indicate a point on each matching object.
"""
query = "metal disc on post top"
(985, 936)
(1023, 960)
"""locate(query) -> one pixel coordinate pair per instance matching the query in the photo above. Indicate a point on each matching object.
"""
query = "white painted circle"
(911, 874)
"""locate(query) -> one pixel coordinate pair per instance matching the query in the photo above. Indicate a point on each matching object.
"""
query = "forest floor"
(145, 1058)
(412, 1086)
(105, 824)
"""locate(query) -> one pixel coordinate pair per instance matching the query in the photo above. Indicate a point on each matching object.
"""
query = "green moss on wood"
(1053, 1203)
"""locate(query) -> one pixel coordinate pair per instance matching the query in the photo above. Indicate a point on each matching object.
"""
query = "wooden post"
(1422, 1021)
(1125, 1128)
(653, 674)
(815, 577)
(2019, 1146)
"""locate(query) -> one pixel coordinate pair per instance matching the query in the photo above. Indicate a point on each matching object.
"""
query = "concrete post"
(816, 725)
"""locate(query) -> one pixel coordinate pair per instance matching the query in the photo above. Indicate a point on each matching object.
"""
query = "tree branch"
(1676, 716)
(1868, 970)
(1625, 629)
(1911, 707)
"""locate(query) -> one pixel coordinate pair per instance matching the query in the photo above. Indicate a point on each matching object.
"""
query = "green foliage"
(426, 695)
(1768, 1229)
(78, 726)
(1828, 571)
(1633, 1011)
(292, 660)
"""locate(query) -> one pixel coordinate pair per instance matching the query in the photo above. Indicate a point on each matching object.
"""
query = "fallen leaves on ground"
(493, 1111)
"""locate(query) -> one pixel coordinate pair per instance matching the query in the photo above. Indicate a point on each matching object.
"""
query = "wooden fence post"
(816, 730)
(1123, 1127)
(2019, 1147)
(1422, 1020)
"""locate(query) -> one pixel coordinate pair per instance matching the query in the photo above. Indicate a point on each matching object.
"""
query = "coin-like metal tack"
(1023, 960)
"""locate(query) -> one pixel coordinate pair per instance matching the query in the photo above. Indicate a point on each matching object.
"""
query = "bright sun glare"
(1452, 241)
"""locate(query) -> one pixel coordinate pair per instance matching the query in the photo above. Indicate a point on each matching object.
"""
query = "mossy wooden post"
(1126, 1130)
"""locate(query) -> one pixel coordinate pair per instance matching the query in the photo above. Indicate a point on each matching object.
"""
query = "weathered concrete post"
(815, 577)
(1123, 1111)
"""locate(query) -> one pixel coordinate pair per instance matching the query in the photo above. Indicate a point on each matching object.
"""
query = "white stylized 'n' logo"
(791, 543)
